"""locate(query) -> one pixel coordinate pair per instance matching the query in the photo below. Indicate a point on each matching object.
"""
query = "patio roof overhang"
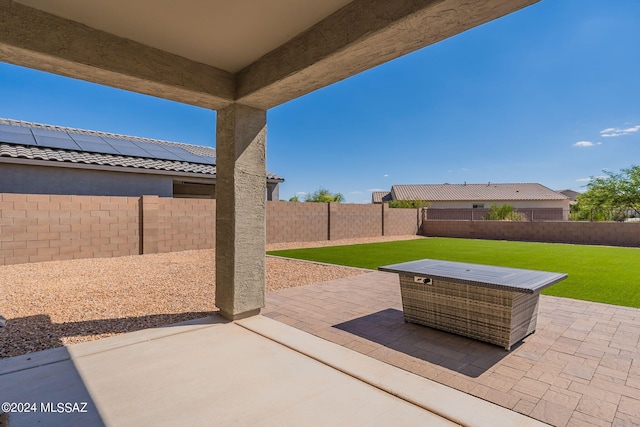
(240, 58)
(260, 53)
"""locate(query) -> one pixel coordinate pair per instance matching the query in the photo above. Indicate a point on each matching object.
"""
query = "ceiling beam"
(360, 36)
(38, 40)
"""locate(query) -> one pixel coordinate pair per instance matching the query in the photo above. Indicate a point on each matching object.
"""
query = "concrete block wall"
(587, 233)
(35, 228)
(351, 221)
(400, 222)
(297, 222)
(186, 224)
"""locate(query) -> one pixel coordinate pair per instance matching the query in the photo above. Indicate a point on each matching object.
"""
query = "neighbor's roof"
(571, 194)
(35, 141)
(474, 192)
(380, 196)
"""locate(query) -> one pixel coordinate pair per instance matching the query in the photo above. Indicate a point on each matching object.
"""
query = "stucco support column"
(240, 211)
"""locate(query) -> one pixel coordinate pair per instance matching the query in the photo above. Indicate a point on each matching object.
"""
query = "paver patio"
(580, 368)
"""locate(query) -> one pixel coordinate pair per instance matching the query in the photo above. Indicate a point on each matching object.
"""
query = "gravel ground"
(57, 303)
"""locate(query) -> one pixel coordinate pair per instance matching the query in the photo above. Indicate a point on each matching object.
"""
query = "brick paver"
(580, 368)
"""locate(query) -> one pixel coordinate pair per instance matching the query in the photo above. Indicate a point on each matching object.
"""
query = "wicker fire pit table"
(494, 304)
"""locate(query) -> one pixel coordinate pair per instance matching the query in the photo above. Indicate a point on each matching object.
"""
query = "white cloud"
(385, 175)
(301, 193)
(609, 132)
(376, 189)
(355, 192)
(586, 144)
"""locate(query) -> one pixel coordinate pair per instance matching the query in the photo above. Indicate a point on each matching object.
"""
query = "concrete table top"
(514, 279)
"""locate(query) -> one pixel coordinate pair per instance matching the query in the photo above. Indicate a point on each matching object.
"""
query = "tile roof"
(474, 192)
(34, 152)
(571, 194)
(380, 196)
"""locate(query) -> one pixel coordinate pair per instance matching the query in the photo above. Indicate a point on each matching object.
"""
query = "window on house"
(478, 206)
(193, 190)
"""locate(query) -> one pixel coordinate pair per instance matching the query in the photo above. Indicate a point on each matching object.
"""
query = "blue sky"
(549, 94)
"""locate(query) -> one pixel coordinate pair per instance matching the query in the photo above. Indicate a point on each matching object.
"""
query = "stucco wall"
(30, 179)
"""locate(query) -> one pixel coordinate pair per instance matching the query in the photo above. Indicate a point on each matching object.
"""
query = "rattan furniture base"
(471, 303)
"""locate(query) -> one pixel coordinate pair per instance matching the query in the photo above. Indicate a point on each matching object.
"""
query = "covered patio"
(254, 371)
(240, 59)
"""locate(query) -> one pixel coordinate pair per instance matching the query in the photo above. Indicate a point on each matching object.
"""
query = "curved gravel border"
(51, 304)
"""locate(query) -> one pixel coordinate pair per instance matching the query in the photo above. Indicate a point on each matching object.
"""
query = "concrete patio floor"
(580, 368)
(206, 372)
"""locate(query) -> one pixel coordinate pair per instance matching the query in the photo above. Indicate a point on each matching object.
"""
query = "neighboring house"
(380, 197)
(572, 195)
(478, 196)
(44, 159)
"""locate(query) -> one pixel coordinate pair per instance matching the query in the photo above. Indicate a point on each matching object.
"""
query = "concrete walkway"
(210, 372)
(580, 368)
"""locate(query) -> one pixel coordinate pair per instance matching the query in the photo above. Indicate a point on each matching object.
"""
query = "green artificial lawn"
(596, 273)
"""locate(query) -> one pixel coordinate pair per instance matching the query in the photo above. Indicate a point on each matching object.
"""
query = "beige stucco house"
(44, 159)
(480, 196)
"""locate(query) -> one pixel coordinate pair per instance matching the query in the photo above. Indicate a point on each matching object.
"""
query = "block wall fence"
(577, 232)
(35, 228)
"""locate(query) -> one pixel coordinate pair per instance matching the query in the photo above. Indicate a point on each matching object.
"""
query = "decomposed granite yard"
(56, 303)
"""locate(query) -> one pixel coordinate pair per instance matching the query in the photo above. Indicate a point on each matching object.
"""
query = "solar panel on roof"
(87, 138)
(156, 151)
(49, 132)
(126, 147)
(58, 138)
(188, 157)
(16, 137)
(173, 148)
(179, 152)
(208, 160)
(93, 144)
(101, 148)
(145, 145)
(162, 154)
(16, 129)
(51, 142)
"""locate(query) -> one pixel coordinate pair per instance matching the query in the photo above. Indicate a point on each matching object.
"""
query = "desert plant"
(408, 204)
(503, 213)
(618, 193)
(324, 195)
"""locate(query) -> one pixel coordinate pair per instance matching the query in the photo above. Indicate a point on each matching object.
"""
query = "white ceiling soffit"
(226, 34)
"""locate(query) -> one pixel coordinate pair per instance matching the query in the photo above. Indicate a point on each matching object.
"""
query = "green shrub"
(503, 213)
(322, 195)
(408, 204)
